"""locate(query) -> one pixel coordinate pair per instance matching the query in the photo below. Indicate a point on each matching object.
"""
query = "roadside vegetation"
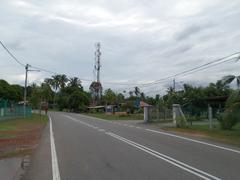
(231, 137)
(20, 136)
(116, 117)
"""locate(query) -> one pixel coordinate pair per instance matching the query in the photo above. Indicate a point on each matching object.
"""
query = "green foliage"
(40, 94)
(233, 98)
(78, 101)
(10, 92)
(109, 97)
(230, 117)
(181, 122)
(129, 107)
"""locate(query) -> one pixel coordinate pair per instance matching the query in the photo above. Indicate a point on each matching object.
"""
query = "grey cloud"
(192, 30)
(152, 44)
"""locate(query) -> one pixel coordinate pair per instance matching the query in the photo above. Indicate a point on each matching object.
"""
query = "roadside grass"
(21, 124)
(18, 133)
(231, 137)
(116, 117)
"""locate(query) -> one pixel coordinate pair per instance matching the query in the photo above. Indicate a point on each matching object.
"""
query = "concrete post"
(210, 116)
(175, 109)
(146, 113)
(2, 112)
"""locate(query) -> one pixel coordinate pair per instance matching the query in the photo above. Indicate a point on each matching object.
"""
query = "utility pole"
(25, 89)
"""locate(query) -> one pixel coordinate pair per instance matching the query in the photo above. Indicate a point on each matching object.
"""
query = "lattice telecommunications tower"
(96, 86)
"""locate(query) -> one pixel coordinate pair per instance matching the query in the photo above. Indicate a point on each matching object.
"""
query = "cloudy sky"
(141, 40)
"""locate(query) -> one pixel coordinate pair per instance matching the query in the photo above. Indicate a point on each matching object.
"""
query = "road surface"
(77, 147)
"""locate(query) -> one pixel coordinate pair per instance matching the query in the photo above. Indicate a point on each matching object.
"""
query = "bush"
(181, 122)
(230, 117)
(233, 98)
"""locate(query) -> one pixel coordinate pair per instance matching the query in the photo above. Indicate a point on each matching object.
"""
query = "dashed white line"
(180, 137)
(55, 169)
(186, 167)
(101, 130)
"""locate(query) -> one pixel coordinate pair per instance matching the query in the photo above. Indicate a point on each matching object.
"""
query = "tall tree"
(137, 91)
(230, 78)
(62, 80)
(75, 82)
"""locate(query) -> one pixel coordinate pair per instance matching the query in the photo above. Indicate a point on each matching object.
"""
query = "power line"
(19, 62)
(228, 60)
(206, 65)
(184, 73)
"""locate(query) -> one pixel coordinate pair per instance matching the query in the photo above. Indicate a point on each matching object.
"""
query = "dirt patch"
(20, 142)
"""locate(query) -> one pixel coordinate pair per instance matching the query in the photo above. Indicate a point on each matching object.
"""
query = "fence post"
(2, 112)
(175, 108)
(178, 113)
(146, 113)
(210, 118)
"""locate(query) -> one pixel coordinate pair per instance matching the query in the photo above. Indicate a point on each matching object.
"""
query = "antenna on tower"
(96, 87)
(97, 60)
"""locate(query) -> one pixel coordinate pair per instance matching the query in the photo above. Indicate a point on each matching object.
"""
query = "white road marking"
(101, 130)
(55, 169)
(193, 140)
(166, 158)
(177, 136)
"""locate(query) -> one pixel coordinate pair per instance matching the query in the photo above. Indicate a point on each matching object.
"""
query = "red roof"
(144, 104)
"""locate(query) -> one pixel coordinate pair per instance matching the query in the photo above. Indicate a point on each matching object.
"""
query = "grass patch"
(20, 132)
(116, 117)
(7, 136)
(19, 153)
(231, 137)
(19, 124)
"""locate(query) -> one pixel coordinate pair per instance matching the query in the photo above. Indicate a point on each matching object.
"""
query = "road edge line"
(55, 168)
(194, 140)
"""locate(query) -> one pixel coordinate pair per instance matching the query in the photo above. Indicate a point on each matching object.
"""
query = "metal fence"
(160, 114)
(10, 110)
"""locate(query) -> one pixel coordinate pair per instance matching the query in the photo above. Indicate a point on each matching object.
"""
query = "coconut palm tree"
(137, 91)
(50, 82)
(54, 82)
(62, 78)
(230, 78)
(75, 82)
(131, 93)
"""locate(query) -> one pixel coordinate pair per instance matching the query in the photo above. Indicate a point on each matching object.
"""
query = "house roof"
(144, 104)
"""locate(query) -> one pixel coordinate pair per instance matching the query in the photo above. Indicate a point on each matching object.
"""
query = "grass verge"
(231, 137)
(116, 117)
(20, 136)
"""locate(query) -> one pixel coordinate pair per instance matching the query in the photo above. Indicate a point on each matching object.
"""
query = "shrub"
(181, 122)
(233, 98)
(230, 117)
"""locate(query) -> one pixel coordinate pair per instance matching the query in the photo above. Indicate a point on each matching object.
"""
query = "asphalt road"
(76, 147)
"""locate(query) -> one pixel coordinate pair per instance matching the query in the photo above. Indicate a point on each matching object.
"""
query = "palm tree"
(137, 91)
(230, 78)
(142, 95)
(50, 82)
(75, 82)
(62, 78)
(55, 82)
(131, 93)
